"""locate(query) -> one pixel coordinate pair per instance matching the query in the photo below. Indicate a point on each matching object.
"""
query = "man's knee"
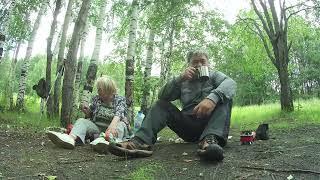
(163, 104)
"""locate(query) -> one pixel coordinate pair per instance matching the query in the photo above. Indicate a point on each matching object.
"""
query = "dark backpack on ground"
(262, 132)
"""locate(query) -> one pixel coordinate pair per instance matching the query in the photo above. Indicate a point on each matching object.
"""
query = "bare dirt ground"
(26, 154)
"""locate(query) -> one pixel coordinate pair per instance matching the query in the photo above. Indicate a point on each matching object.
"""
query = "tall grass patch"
(249, 117)
(28, 120)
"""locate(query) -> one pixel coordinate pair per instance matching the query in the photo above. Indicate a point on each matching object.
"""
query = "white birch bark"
(61, 53)
(56, 46)
(25, 66)
(147, 73)
(70, 64)
(129, 91)
(49, 59)
(76, 92)
(92, 70)
(11, 77)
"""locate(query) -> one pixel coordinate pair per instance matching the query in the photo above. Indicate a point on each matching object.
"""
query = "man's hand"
(188, 73)
(204, 108)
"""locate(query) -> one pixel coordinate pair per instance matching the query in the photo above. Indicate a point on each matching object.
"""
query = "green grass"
(243, 118)
(28, 120)
(145, 172)
(249, 117)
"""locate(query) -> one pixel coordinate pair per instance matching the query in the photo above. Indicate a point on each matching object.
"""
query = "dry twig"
(282, 170)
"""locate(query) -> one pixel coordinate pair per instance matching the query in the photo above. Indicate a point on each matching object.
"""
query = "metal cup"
(203, 73)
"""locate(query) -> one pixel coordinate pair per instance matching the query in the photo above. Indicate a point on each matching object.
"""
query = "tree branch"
(265, 44)
(268, 19)
(297, 5)
(304, 9)
(264, 24)
(274, 16)
(283, 13)
(282, 170)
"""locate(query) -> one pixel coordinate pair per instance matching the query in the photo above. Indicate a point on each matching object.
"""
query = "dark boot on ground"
(209, 149)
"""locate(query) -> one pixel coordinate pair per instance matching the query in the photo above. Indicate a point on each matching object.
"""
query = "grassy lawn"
(242, 118)
(249, 117)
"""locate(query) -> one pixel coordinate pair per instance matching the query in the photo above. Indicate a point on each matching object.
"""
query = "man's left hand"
(204, 108)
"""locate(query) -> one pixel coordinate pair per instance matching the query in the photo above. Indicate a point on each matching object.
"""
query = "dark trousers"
(188, 127)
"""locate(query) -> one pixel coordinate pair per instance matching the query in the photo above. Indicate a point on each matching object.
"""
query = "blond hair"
(107, 85)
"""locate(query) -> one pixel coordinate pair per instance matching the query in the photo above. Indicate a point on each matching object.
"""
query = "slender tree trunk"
(163, 63)
(70, 65)
(3, 34)
(56, 46)
(76, 93)
(60, 62)
(147, 74)
(92, 69)
(168, 55)
(49, 59)
(25, 66)
(129, 93)
(11, 77)
(2, 40)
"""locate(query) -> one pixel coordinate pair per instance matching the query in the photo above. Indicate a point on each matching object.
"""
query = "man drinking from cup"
(206, 97)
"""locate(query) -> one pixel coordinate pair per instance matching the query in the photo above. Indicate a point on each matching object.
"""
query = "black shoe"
(209, 149)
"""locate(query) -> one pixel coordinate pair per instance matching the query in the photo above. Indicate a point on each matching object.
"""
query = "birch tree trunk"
(25, 66)
(56, 46)
(60, 62)
(162, 63)
(76, 92)
(4, 31)
(11, 77)
(129, 90)
(92, 69)
(168, 55)
(147, 74)
(70, 64)
(49, 59)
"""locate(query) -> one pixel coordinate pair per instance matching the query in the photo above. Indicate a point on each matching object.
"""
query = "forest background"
(271, 49)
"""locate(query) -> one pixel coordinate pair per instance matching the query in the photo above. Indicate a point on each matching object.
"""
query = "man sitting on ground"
(204, 118)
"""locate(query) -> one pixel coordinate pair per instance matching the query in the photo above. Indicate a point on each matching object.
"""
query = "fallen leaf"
(187, 160)
(184, 169)
(201, 174)
(184, 154)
